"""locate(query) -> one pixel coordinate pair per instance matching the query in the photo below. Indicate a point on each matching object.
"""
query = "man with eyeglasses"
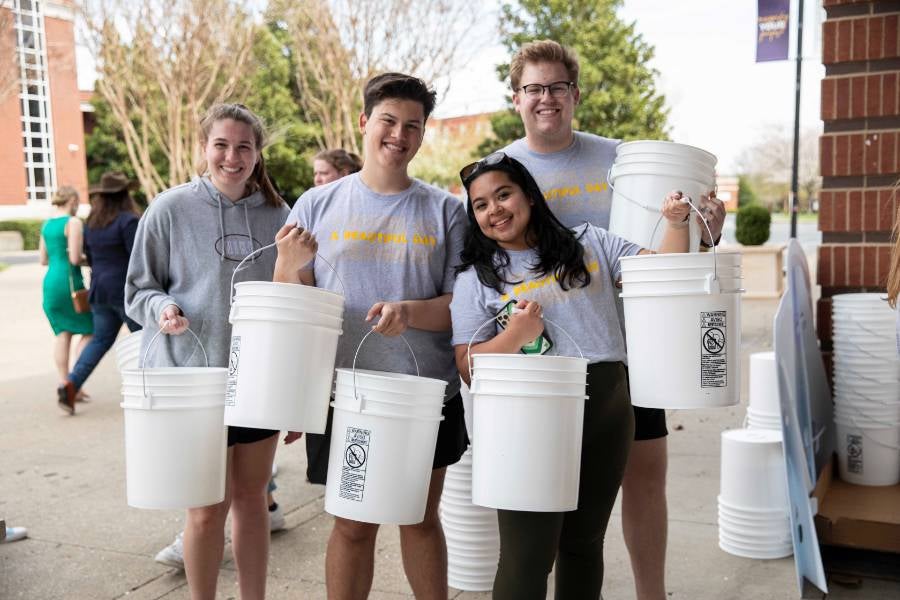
(570, 167)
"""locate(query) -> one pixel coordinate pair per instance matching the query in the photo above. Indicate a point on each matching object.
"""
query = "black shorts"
(649, 423)
(248, 435)
(452, 441)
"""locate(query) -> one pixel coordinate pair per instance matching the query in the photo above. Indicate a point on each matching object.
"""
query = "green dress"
(57, 296)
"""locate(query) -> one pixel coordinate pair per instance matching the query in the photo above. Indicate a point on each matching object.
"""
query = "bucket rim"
(389, 376)
(517, 395)
(665, 144)
(389, 415)
(288, 286)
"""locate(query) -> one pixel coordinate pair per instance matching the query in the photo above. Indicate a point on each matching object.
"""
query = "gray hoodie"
(187, 246)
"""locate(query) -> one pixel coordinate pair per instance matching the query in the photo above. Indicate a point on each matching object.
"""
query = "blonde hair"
(893, 282)
(542, 51)
(259, 179)
(64, 195)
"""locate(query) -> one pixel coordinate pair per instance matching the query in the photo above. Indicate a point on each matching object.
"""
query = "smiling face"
(231, 154)
(501, 209)
(324, 172)
(547, 120)
(393, 133)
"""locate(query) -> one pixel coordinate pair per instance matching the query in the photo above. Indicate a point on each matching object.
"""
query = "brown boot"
(65, 396)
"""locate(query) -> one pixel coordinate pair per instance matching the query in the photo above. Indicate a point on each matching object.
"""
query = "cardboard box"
(856, 516)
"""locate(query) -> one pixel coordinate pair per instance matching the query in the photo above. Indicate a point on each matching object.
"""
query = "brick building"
(859, 150)
(40, 118)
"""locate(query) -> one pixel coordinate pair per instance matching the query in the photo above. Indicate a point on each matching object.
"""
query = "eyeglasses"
(470, 171)
(557, 89)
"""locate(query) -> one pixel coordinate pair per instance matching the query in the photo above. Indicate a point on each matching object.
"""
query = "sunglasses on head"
(470, 171)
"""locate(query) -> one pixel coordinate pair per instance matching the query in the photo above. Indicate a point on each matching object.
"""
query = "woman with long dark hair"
(517, 252)
(108, 239)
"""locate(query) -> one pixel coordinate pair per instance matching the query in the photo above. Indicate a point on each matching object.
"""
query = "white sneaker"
(274, 470)
(276, 519)
(14, 534)
(173, 554)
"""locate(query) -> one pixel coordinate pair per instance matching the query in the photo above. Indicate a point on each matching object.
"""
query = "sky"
(719, 98)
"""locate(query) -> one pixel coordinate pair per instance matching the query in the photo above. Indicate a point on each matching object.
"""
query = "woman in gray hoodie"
(185, 251)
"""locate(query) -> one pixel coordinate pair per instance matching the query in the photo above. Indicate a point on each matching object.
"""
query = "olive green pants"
(530, 542)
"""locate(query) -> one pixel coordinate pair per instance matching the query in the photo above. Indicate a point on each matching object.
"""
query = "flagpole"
(794, 167)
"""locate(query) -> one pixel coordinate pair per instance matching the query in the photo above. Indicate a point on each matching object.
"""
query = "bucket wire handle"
(494, 318)
(143, 364)
(687, 200)
(272, 245)
(356, 354)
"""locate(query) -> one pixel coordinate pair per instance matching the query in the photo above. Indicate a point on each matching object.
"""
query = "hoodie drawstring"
(249, 235)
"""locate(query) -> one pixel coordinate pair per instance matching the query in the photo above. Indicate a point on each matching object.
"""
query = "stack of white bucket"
(643, 173)
(683, 324)
(764, 411)
(378, 416)
(866, 389)
(283, 347)
(473, 540)
(754, 521)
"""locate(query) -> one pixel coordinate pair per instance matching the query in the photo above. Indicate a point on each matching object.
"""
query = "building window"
(34, 96)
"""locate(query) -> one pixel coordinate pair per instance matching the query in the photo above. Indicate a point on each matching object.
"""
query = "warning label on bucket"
(356, 455)
(234, 357)
(854, 453)
(713, 349)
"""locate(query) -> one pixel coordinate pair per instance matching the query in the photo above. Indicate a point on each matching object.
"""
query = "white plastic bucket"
(683, 260)
(752, 469)
(681, 286)
(128, 351)
(372, 405)
(380, 459)
(679, 273)
(684, 350)
(511, 471)
(373, 476)
(867, 456)
(175, 441)
(280, 368)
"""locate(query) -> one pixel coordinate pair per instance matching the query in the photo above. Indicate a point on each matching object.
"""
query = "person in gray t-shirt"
(516, 250)
(571, 167)
(394, 243)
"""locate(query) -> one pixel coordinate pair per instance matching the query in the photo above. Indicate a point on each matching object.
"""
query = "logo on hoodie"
(236, 246)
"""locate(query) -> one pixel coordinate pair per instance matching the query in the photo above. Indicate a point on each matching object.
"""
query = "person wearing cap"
(108, 239)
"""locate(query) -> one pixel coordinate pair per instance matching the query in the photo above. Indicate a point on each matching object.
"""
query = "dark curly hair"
(559, 251)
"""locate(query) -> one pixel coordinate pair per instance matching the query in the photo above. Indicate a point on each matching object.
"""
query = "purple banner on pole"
(772, 37)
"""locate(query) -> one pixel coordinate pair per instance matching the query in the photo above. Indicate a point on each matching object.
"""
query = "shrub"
(752, 225)
(29, 228)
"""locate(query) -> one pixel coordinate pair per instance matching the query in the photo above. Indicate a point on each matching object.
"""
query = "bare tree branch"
(339, 44)
(160, 65)
(9, 65)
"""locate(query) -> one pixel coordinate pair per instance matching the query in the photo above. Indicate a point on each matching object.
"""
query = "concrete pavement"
(64, 479)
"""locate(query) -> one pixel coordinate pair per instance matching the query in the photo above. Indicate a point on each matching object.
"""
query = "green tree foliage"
(752, 225)
(619, 98)
(746, 194)
(270, 96)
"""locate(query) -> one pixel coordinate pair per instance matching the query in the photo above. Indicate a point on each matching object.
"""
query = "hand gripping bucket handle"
(272, 245)
(360, 399)
(147, 400)
(492, 319)
(711, 288)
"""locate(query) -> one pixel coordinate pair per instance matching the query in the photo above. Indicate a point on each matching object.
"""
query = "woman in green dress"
(61, 248)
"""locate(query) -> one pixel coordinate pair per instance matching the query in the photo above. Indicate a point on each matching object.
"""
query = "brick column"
(859, 150)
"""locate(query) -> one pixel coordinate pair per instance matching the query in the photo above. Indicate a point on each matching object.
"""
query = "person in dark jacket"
(108, 239)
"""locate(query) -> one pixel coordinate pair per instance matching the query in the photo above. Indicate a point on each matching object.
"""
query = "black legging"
(531, 541)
